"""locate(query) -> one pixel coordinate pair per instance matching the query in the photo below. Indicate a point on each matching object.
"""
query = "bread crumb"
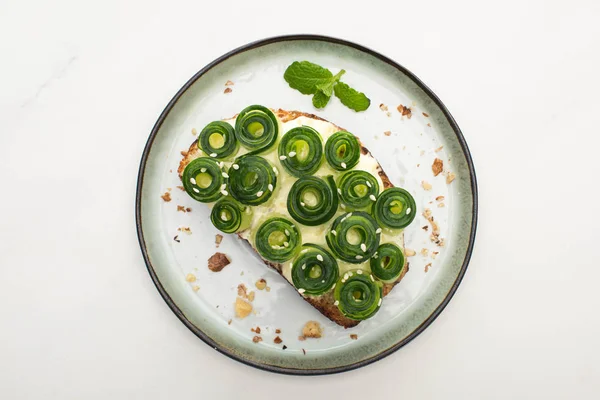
(353, 336)
(227, 90)
(425, 114)
(166, 197)
(261, 284)
(277, 340)
(426, 185)
(218, 239)
(190, 278)
(434, 254)
(255, 330)
(387, 133)
(181, 208)
(176, 238)
(242, 308)
(184, 153)
(229, 83)
(425, 228)
(229, 322)
(277, 330)
(440, 198)
(268, 289)
(301, 338)
(383, 107)
(195, 288)
(437, 167)
(405, 111)
(409, 252)
(242, 291)
(427, 213)
(185, 229)
(427, 267)
(312, 329)
(218, 261)
(194, 131)
(424, 252)
(257, 339)
(439, 149)
(440, 205)
(251, 296)
(450, 177)
(188, 209)
(181, 188)
(389, 114)
(429, 125)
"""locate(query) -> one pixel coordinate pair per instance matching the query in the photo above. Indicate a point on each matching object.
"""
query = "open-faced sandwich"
(311, 200)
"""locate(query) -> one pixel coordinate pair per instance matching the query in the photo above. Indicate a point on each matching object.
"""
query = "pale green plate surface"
(257, 71)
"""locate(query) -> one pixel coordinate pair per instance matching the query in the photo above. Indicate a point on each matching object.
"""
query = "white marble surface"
(80, 89)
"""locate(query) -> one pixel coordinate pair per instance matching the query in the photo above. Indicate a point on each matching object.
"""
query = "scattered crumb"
(251, 296)
(181, 208)
(450, 177)
(257, 339)
(166, 197)
(242, 308)
(312, 329)
(422, 153)
(261, 284)
(218, 261)
(229, 322)
(409, 252)
(440, 205)
(387, 133)
(429, 125)
(242, 291)
(255, 330)
(277, 330)
(426, 185)
(425, 228)
(301, 338)
(418, 165)
(185, 229)
(170, 171)
(195, 288)
(169, 189)
(405, 111)
(268, 289)
(440, 198)
(176, 238)
(353, 336)
(425, 114)
(242, 273)
(437, 167)
(227, 90)
(181, 188)
(424, 252)
(284, 347)
(194, 131)
(427, 213)
(184, 153)
(439, 149)
(188, 209)
(218, 239)
(190, 278)
(229, 83)
(277, 340)
(427, 267)
(304, 351)
(389, 114)
(434, 254)
(383, 107)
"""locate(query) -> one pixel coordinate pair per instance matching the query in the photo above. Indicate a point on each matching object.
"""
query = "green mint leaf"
(320, 99)
(351, 98)
(305, 76)
(327, 88)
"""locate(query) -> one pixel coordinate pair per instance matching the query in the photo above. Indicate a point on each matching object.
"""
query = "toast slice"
(288, 119)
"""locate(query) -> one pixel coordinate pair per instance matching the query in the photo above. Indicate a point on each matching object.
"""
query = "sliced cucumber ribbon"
(301, 151)
(217, 140)
(230, 216)
(204, 180)
(342, 151)
(256, 128)
(314, 270)
(357, 295)
(395, 208)
(354, 237)
(278, 239)
(312, 201)
(358, 190)
(252, 180)
(387, 263)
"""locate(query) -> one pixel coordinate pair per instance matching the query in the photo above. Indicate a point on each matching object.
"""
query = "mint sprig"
(309, 78)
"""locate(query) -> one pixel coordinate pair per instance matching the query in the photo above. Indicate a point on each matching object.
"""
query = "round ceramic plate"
(177, 243)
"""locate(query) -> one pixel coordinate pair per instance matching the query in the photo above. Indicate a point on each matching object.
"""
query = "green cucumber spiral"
(358, 189)
(204, 180)
(357, 295)
(256, 128)
(312, 201)
(314, 270)
(395, 208)
(251, 180)
(387, 263)
(342, 151)
(228, 215)
(278, 239)
(301, 151)
(354, 237)
(217, 139)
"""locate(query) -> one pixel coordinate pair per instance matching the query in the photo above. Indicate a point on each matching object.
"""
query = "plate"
(406, 153)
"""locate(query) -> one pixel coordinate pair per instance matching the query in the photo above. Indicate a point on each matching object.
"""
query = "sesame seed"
(368, 184)
(225, 175)
(348, 215)
(196, 190)
(343, 206)
(334, 233)
(378, 230)
(319, 257)
(286, 244)
(221, 164)
(287, 233)
(224, 192)
(372, 197)
(193, 181)
(301, 291)
(335, 303)
(373, 279)
(223, 186)
(346, 276)
(302, 204)
(275, 170)
(359, 272)
(270, 187)
(379, 302)
(408, 210)
(303, 251)
(350, 274)
(213, 154)
(343, 165)
(303, 266)
(202, 170)
(259, 193)
(323, 281)
(235, 166)
(333, 287)
(282, 158)
(339, 191)
(363, 247)
(224, 217)
(292, 153)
